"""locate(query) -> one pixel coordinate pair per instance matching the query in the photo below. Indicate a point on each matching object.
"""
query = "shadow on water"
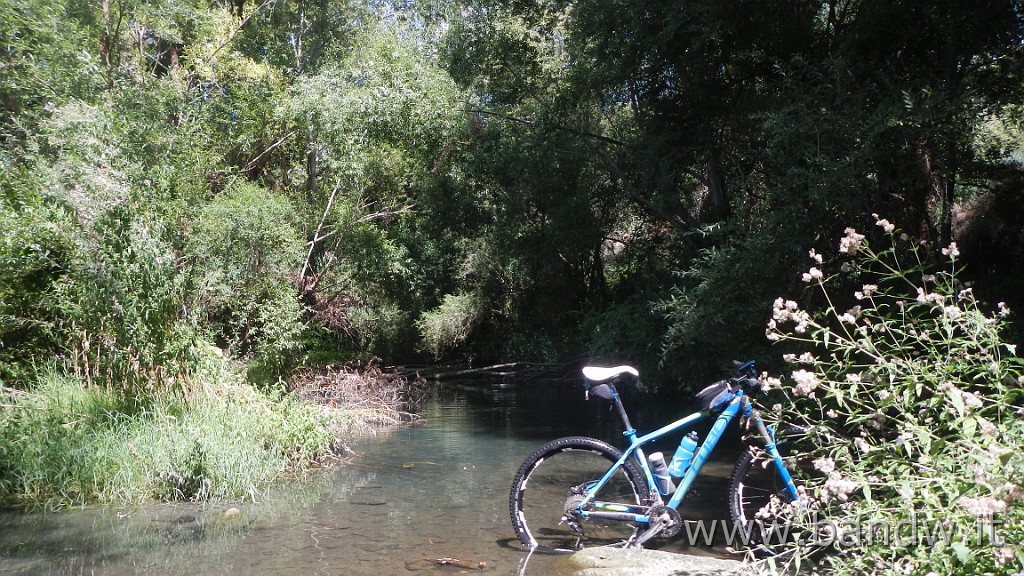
(425, 499)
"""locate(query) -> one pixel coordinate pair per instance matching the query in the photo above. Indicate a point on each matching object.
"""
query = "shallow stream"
(430, 498)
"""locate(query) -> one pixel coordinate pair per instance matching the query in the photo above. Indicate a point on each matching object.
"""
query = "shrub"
(120, 308)
(713, 311)
(913, 401)
(33, 254)
(246, 251)
(450, 323)
(67, 444)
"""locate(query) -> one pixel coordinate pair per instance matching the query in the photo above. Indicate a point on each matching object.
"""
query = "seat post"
(622, 410)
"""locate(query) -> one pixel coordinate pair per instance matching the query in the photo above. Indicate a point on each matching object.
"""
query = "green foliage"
(498, 179)
(46, 56)
(247, 252)
(999, 137)
(450, 323)
(713, 312)
(33, 252)
(913, 398)
(381, 123)
(628, 333)
(120, 307)
(68, 444)
(299, 36)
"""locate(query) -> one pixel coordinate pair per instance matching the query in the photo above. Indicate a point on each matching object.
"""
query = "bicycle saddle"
(601, 374)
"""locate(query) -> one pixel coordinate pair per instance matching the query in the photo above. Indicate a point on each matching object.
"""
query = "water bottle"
(661, 476)
(683, 456)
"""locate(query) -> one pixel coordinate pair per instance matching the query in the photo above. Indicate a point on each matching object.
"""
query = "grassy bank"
(64, 444)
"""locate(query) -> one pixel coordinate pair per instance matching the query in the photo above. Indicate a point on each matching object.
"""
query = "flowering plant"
(912, 401)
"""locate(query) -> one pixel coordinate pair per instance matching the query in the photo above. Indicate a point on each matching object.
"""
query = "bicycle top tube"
(722, 421)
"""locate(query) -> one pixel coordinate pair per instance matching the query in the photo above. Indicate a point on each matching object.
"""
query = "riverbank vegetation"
(62, 443)
(292, 185)
(913, 399)
(65, 444)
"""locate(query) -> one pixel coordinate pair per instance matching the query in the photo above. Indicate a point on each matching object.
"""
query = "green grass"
(63, 444)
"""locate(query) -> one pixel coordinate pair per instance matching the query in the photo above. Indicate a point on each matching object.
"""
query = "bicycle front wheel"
(550, 484)
(758, 500)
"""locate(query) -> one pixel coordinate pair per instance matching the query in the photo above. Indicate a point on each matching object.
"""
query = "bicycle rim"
(757, 499)
(549, 482)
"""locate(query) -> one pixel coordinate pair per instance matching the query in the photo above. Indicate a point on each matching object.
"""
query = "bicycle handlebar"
(749, 384)
(747, 380)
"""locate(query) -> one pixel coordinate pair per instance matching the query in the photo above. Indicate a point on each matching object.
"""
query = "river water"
(429, 498)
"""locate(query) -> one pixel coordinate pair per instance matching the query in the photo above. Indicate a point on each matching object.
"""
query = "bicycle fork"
(752, 415)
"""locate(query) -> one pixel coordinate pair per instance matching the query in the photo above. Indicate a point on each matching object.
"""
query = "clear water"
(431, 498)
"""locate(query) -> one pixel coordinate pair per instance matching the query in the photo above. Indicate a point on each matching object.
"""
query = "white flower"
(1004, 555)
(789, 358)
(952, 312)
(812, 275)
(1004, 311)
(1014, 493)
(952, 251)
(788, 310)
(838, 487)
(981, 507)
(866, 291)
(987, 428)
(877, 421)
(853, 377)
(971, 400)
(806, 382)
(861, 445)
(884, 224)
(851, 243)
(932, 297)
(825, 465)
(815, 256)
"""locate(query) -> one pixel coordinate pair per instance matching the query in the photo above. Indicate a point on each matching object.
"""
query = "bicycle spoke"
(549, 489)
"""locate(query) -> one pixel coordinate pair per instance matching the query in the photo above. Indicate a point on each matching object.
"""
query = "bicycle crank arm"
(658, 524)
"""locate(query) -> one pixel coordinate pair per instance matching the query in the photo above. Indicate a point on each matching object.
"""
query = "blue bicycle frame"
(590, 507)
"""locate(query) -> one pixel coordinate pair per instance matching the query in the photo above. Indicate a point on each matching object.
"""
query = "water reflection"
(427, 499)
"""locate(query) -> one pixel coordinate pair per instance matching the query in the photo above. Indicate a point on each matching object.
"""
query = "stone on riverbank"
(633, 562)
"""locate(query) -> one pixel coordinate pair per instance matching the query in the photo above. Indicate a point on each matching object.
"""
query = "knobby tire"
(543, 489)
(757, 501)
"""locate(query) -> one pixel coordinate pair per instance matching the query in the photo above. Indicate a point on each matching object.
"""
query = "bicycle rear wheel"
(549, 485)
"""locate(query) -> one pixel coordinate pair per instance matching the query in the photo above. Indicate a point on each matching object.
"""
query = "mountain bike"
(577, 490)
